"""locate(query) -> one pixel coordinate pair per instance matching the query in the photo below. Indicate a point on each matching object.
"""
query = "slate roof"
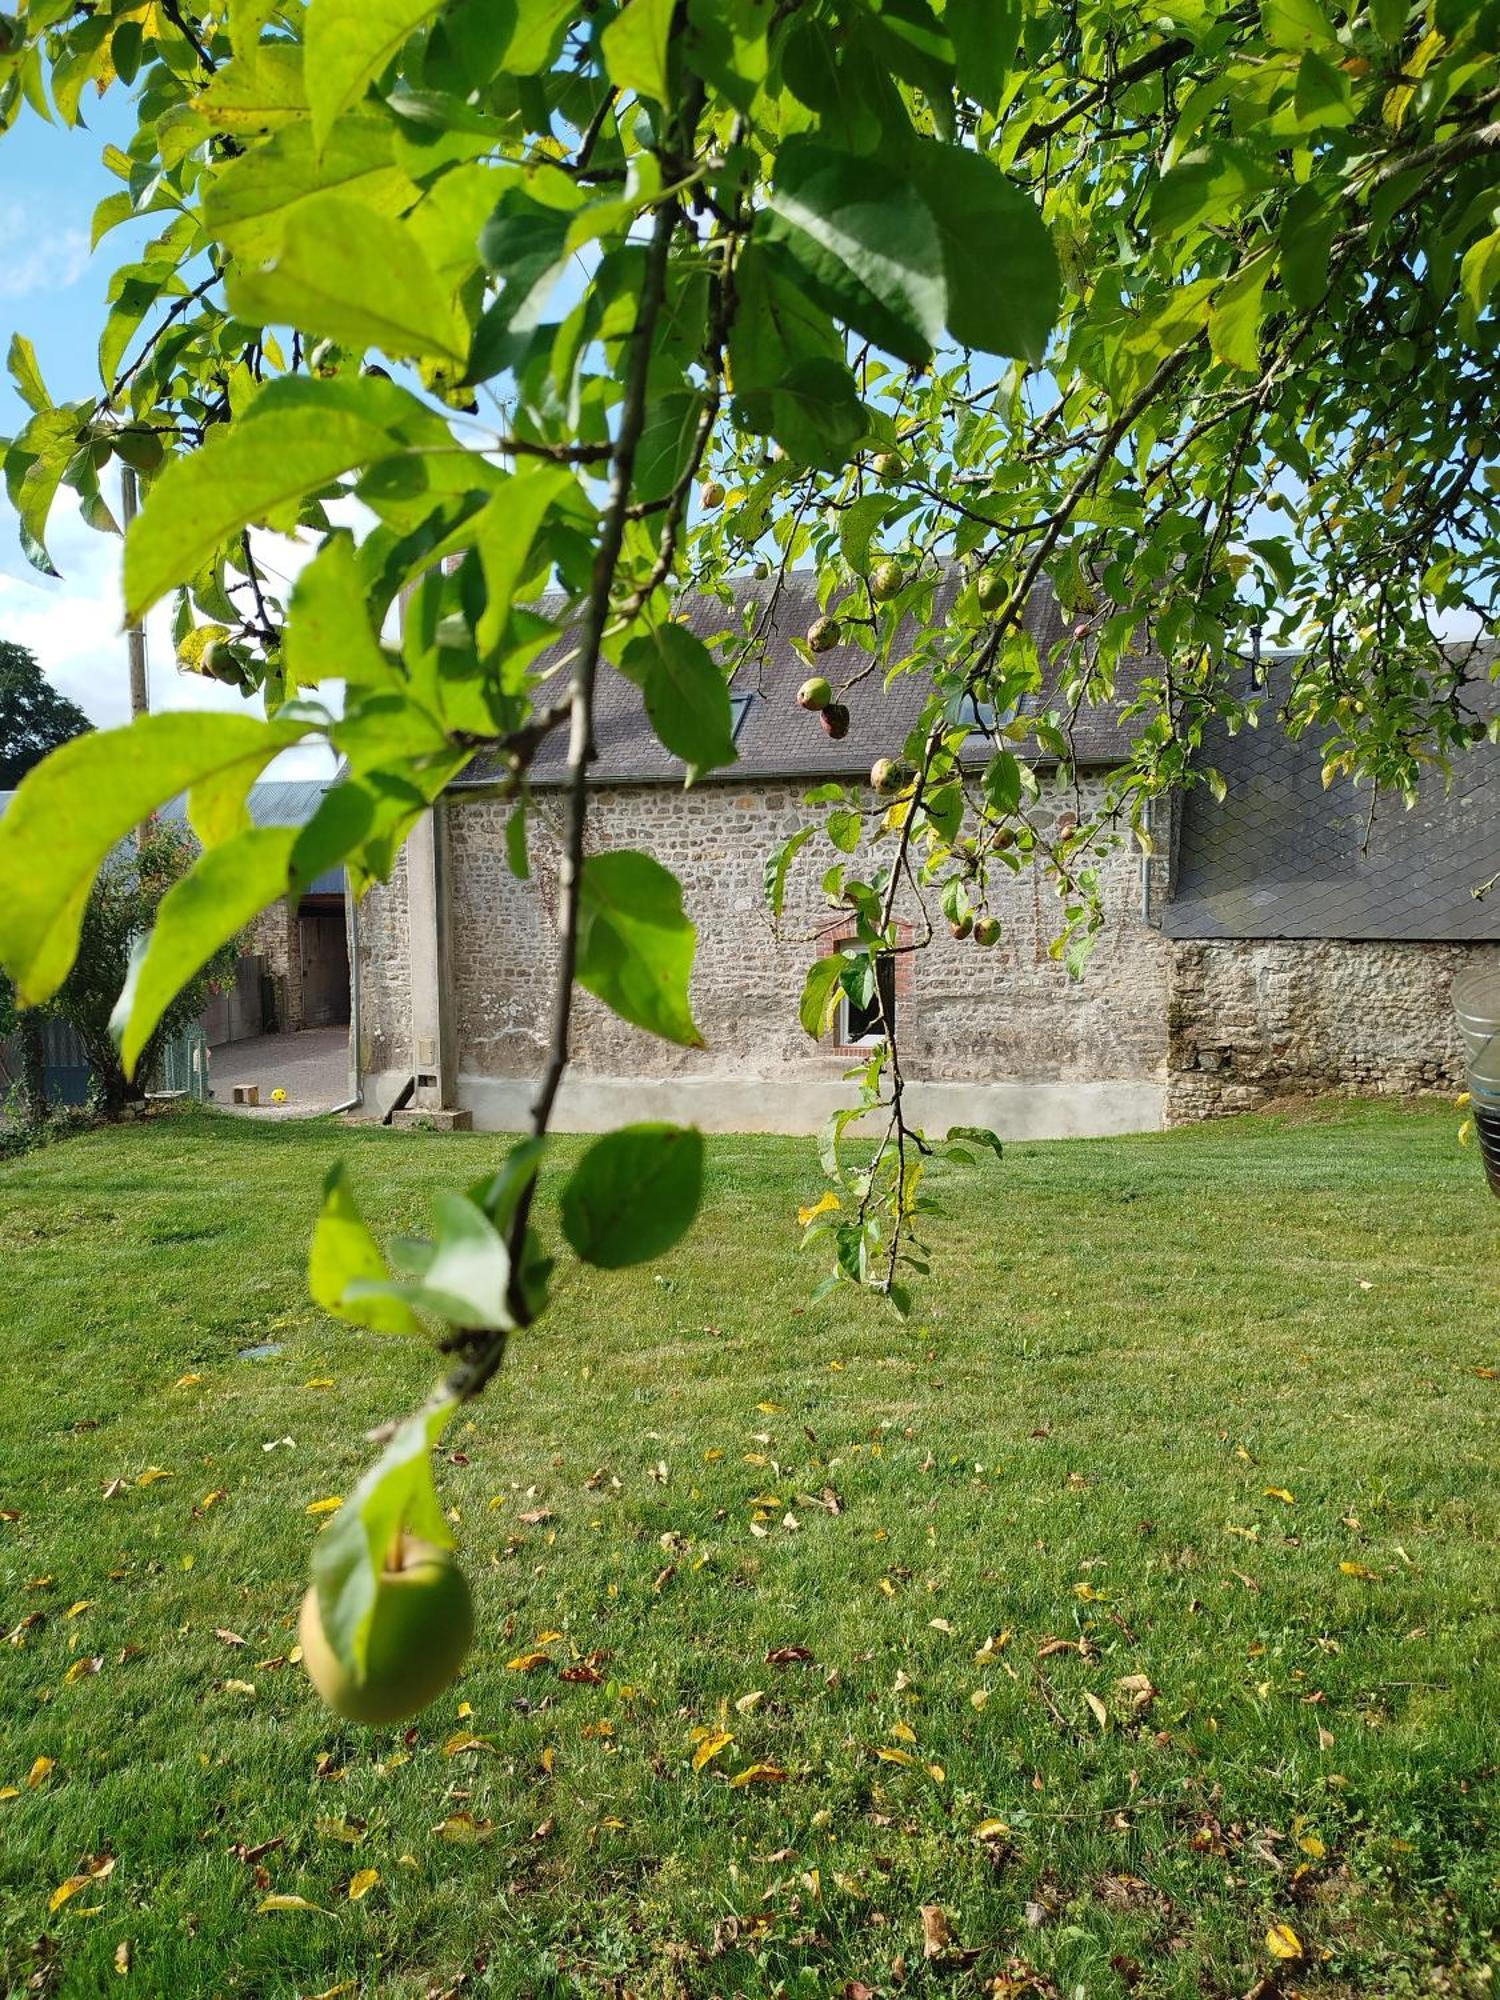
(1282, 858)
(776, 739)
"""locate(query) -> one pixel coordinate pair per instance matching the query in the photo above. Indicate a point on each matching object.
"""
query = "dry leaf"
(122, 1957)
(81, 1669)
(226, 1637)
(246, 1688)
(1283, 1942)
(461, 1829)
(757, 1774)
(745, 1702)
(457, 1745)
(362, 1883)
(1280, 1493)
(93, 1870)
(903, 1732)
(152, 1473)
(289, 1903)
(329, 1506)
(887, 1755)
(39, 1773)
(1360, 1570)
(935, 1934)
(711, 1747)
(1096, 1708)
(187, 1381)
(826, 1202)
(991, 1829)
(788, 1656)
(528, 1663)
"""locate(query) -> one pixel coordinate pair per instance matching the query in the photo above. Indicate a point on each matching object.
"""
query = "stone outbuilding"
(1237, 963)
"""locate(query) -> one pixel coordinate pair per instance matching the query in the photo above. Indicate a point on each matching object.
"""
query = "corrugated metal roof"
(779, 740)
(1283, 858)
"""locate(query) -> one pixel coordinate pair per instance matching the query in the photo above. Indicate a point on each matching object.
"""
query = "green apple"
(992, 590)
(886, 579)
(823, 635)
(961, 926)
(814, 694)
(887, 466)
(888, 775)
(986, 932)
(712, 495)
(421, 1629)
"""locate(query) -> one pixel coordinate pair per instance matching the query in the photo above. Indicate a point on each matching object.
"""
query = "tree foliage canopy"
(1185, 308)
(34, 717)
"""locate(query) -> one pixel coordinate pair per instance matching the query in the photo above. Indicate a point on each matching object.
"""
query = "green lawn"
(1205, 1423)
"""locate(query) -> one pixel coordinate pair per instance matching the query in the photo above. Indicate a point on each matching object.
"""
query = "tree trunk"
(33, 1070)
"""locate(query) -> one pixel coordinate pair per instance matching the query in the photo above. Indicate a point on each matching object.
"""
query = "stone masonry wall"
(1008, 1014)
(1252, 1021)
(384, 951)
(276, 937)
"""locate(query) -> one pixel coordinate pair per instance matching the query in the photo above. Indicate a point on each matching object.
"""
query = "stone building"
(1236, 965)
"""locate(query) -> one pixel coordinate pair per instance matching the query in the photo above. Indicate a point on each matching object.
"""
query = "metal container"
(1476, 1002)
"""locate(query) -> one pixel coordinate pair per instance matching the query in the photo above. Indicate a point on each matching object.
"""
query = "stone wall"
(275, 936)
(383, 946)
(1011, 1013)
(1255, 1020)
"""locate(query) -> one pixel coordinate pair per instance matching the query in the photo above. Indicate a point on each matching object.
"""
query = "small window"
(864, 1025)
(740, 705)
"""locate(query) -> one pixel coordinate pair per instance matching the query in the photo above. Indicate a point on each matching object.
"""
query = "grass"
(1216, 1409)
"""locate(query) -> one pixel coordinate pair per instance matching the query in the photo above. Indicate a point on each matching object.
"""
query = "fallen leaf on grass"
(94, 1870)
(935, 1933)
(528, 1663)
(289, 1903)
(745, 1702)
(246, 1688)
(711, 1746)
(340, 1829)
(788, 1656)
(329, 1506)
(319, 1382)
(1280, 1493)
(152, 1473)
(991, 1829)
(81, 1669)
(39, 1773)
(461, 1829)
(187, 1381)
(362, 1883)
(113, 1488)
(1283, 1942)
(757, 1774)
(1360, 1570)
(458, 1744)
(227, 1637)
(122, 1957)
(1096, 1708)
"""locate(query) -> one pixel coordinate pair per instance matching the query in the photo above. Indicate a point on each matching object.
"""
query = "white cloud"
(35, 259)
(73, 628)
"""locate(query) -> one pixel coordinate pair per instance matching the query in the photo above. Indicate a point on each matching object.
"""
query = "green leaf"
(328, 634)
(865, 242)
(468, 1278)
(635, 944)
(857, 526)
(225, 890)
(79, 803)
(504, 534)
(687, 699)
(344, 1253)
(1205, 188)
(1002, 783)
(22, 362)
(296, 439)
(985, 34)
(349, 43)
(1478, 275)
(633, 1194)
(517, 858)
(975, 1135)
(248, 203)
(779, 863)
(635, 46)
(396, 1494)
(844, 830)
(999, 267)
(1308, 227)
(1296, 24)
(1235, 315)
(352, 274)
(820, 991)
(259, 91)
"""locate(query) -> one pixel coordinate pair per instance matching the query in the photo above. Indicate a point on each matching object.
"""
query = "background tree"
(34, 717)
(1186, 309)
(121, 909)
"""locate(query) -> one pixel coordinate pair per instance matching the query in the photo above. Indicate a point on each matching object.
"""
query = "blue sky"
(53, 291)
